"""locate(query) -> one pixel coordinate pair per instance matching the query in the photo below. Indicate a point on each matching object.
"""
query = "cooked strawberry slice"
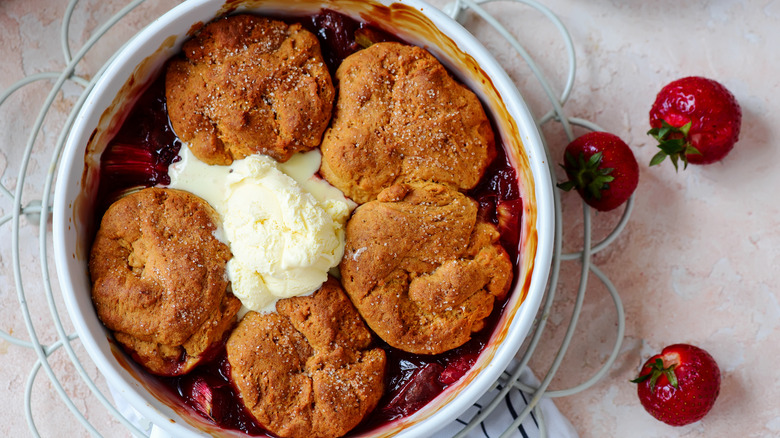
(457, 369)
(421, 388)
(508, 214)
(207, 397)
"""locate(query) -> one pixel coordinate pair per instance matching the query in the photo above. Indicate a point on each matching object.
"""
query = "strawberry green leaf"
(594, 159)
(570, 160)
(656, 370)
(672, 146)
(669, 373)
(691, 149)
(685, 129)
(674, 159)
(658, 158)
(674, 143)
(641, 378)
(587, 176)
(566, 186)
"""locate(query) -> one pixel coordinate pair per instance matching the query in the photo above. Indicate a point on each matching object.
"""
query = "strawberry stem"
(674, 143)
(656, 370)
(586, 176)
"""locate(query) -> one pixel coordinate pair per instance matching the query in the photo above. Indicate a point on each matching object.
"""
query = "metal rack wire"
(38, 211)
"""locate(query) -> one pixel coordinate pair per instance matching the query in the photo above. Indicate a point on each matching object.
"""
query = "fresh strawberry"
(680, 385)
(695, 120)
(602, 168)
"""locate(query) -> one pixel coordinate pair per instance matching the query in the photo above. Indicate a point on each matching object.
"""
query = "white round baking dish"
(413, 21)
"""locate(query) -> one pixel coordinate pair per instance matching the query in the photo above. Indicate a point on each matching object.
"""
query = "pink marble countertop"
(695, 263)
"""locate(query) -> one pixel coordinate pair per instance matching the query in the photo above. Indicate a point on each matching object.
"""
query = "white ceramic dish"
(412, 20)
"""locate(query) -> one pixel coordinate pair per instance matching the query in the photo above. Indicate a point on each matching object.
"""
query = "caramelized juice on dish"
(139, 156)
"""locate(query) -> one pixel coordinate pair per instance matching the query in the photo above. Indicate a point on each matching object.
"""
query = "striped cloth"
(556, 425)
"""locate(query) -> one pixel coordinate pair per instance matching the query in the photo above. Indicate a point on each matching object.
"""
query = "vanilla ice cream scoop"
(285, 234)
(283, 240)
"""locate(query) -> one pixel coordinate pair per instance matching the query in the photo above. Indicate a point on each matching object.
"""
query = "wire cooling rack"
(38, 211)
